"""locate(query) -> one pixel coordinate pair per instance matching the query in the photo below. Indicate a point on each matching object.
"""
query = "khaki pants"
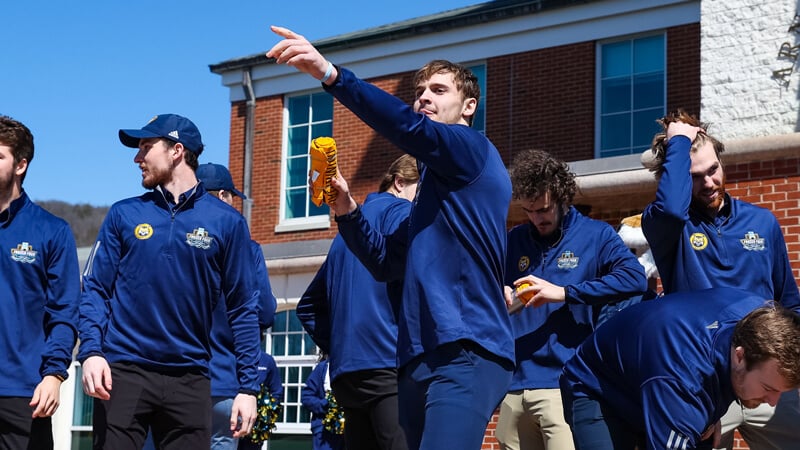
(533, 419)
(764, 427)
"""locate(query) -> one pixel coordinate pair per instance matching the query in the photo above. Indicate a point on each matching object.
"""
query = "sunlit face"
(440, 100)
(155, 162)
(708, 180)
(543, 213)
(761, 384)
(9, 171)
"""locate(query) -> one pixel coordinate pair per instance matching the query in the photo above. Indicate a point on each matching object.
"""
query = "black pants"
(175, 407)
(18, 431)
(369, 401)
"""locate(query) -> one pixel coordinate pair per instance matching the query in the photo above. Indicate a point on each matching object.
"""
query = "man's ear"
(470, 106)
(738, 356)
(21, 167)
(177, 150)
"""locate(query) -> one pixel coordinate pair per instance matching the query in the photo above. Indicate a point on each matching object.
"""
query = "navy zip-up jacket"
(154, 277)
(349, 315)
(39, 296)
(594, 266)
(451, 256)
(663, 365)
(742, 247)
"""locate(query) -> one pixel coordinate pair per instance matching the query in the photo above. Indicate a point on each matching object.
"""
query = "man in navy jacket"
(161, 263)
(574, 266)
(39, 286)
(660, 374)
(453, 330)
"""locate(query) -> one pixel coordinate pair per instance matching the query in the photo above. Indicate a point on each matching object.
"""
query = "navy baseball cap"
(215, 177)
(168, 126)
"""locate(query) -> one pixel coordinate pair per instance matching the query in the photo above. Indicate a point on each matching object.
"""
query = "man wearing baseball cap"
(217, 181)
(161, 262)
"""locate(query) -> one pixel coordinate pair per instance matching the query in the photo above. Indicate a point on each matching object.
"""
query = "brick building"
(582, 79)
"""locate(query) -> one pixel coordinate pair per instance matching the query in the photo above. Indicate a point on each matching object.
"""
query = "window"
(631, 94)
(309, 116)
(81, 415)
(295, 355)
(479, 120)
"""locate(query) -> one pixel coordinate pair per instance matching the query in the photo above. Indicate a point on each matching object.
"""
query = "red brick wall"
(542, 99)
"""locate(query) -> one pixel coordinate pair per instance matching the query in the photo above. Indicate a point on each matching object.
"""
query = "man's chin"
(751, 404)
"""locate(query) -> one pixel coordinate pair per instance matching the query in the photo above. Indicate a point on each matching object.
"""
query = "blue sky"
(77, 72)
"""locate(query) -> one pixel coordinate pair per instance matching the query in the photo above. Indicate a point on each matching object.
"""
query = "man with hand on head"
(453, 331)
(701, 237)
(40, 286)
(217, 181)
(161, 263)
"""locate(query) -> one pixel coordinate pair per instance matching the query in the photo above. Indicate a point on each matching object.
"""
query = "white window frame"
(598, 84)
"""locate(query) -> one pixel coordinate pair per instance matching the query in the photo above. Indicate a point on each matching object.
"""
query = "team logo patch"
(523, 263)
(568, 260)
(143, 231)
(199, 238)
(699, 241)
(24, 253)
(752, 242)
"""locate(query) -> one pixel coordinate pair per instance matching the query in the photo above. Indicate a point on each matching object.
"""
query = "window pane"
(298, 141)
(310, 346)
(291, 413)
(295, 344)
(645, 126)
(297, 169)
(292, 396)
(279, 324)
(616, 131)
(294, 374)
(296, 203)
(616, 95)
(616, 59)
(81, 440)
(648, 54)
(84, 405)
(278, 347)
(294, 322)
(321, 129)
(298, 110)
(322, 106)
(305, 415)
(648, 90)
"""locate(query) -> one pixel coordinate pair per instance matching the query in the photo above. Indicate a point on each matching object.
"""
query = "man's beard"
(711, 207)
(6, 184)
(155, 177)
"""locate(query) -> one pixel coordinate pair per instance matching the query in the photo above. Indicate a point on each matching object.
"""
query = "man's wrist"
(352, 215)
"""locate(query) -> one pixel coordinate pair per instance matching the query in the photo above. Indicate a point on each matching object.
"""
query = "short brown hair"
(771, 332)
(466, 81)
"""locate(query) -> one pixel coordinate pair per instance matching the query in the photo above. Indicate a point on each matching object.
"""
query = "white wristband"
(328, 73)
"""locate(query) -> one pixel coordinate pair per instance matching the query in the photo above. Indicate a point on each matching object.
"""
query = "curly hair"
(659, 145)
(466, 81)
(771, 332)
(536, 172)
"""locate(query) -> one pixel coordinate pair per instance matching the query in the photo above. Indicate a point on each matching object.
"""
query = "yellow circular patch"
(699, 241)
(143, 231)
(523, 263)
